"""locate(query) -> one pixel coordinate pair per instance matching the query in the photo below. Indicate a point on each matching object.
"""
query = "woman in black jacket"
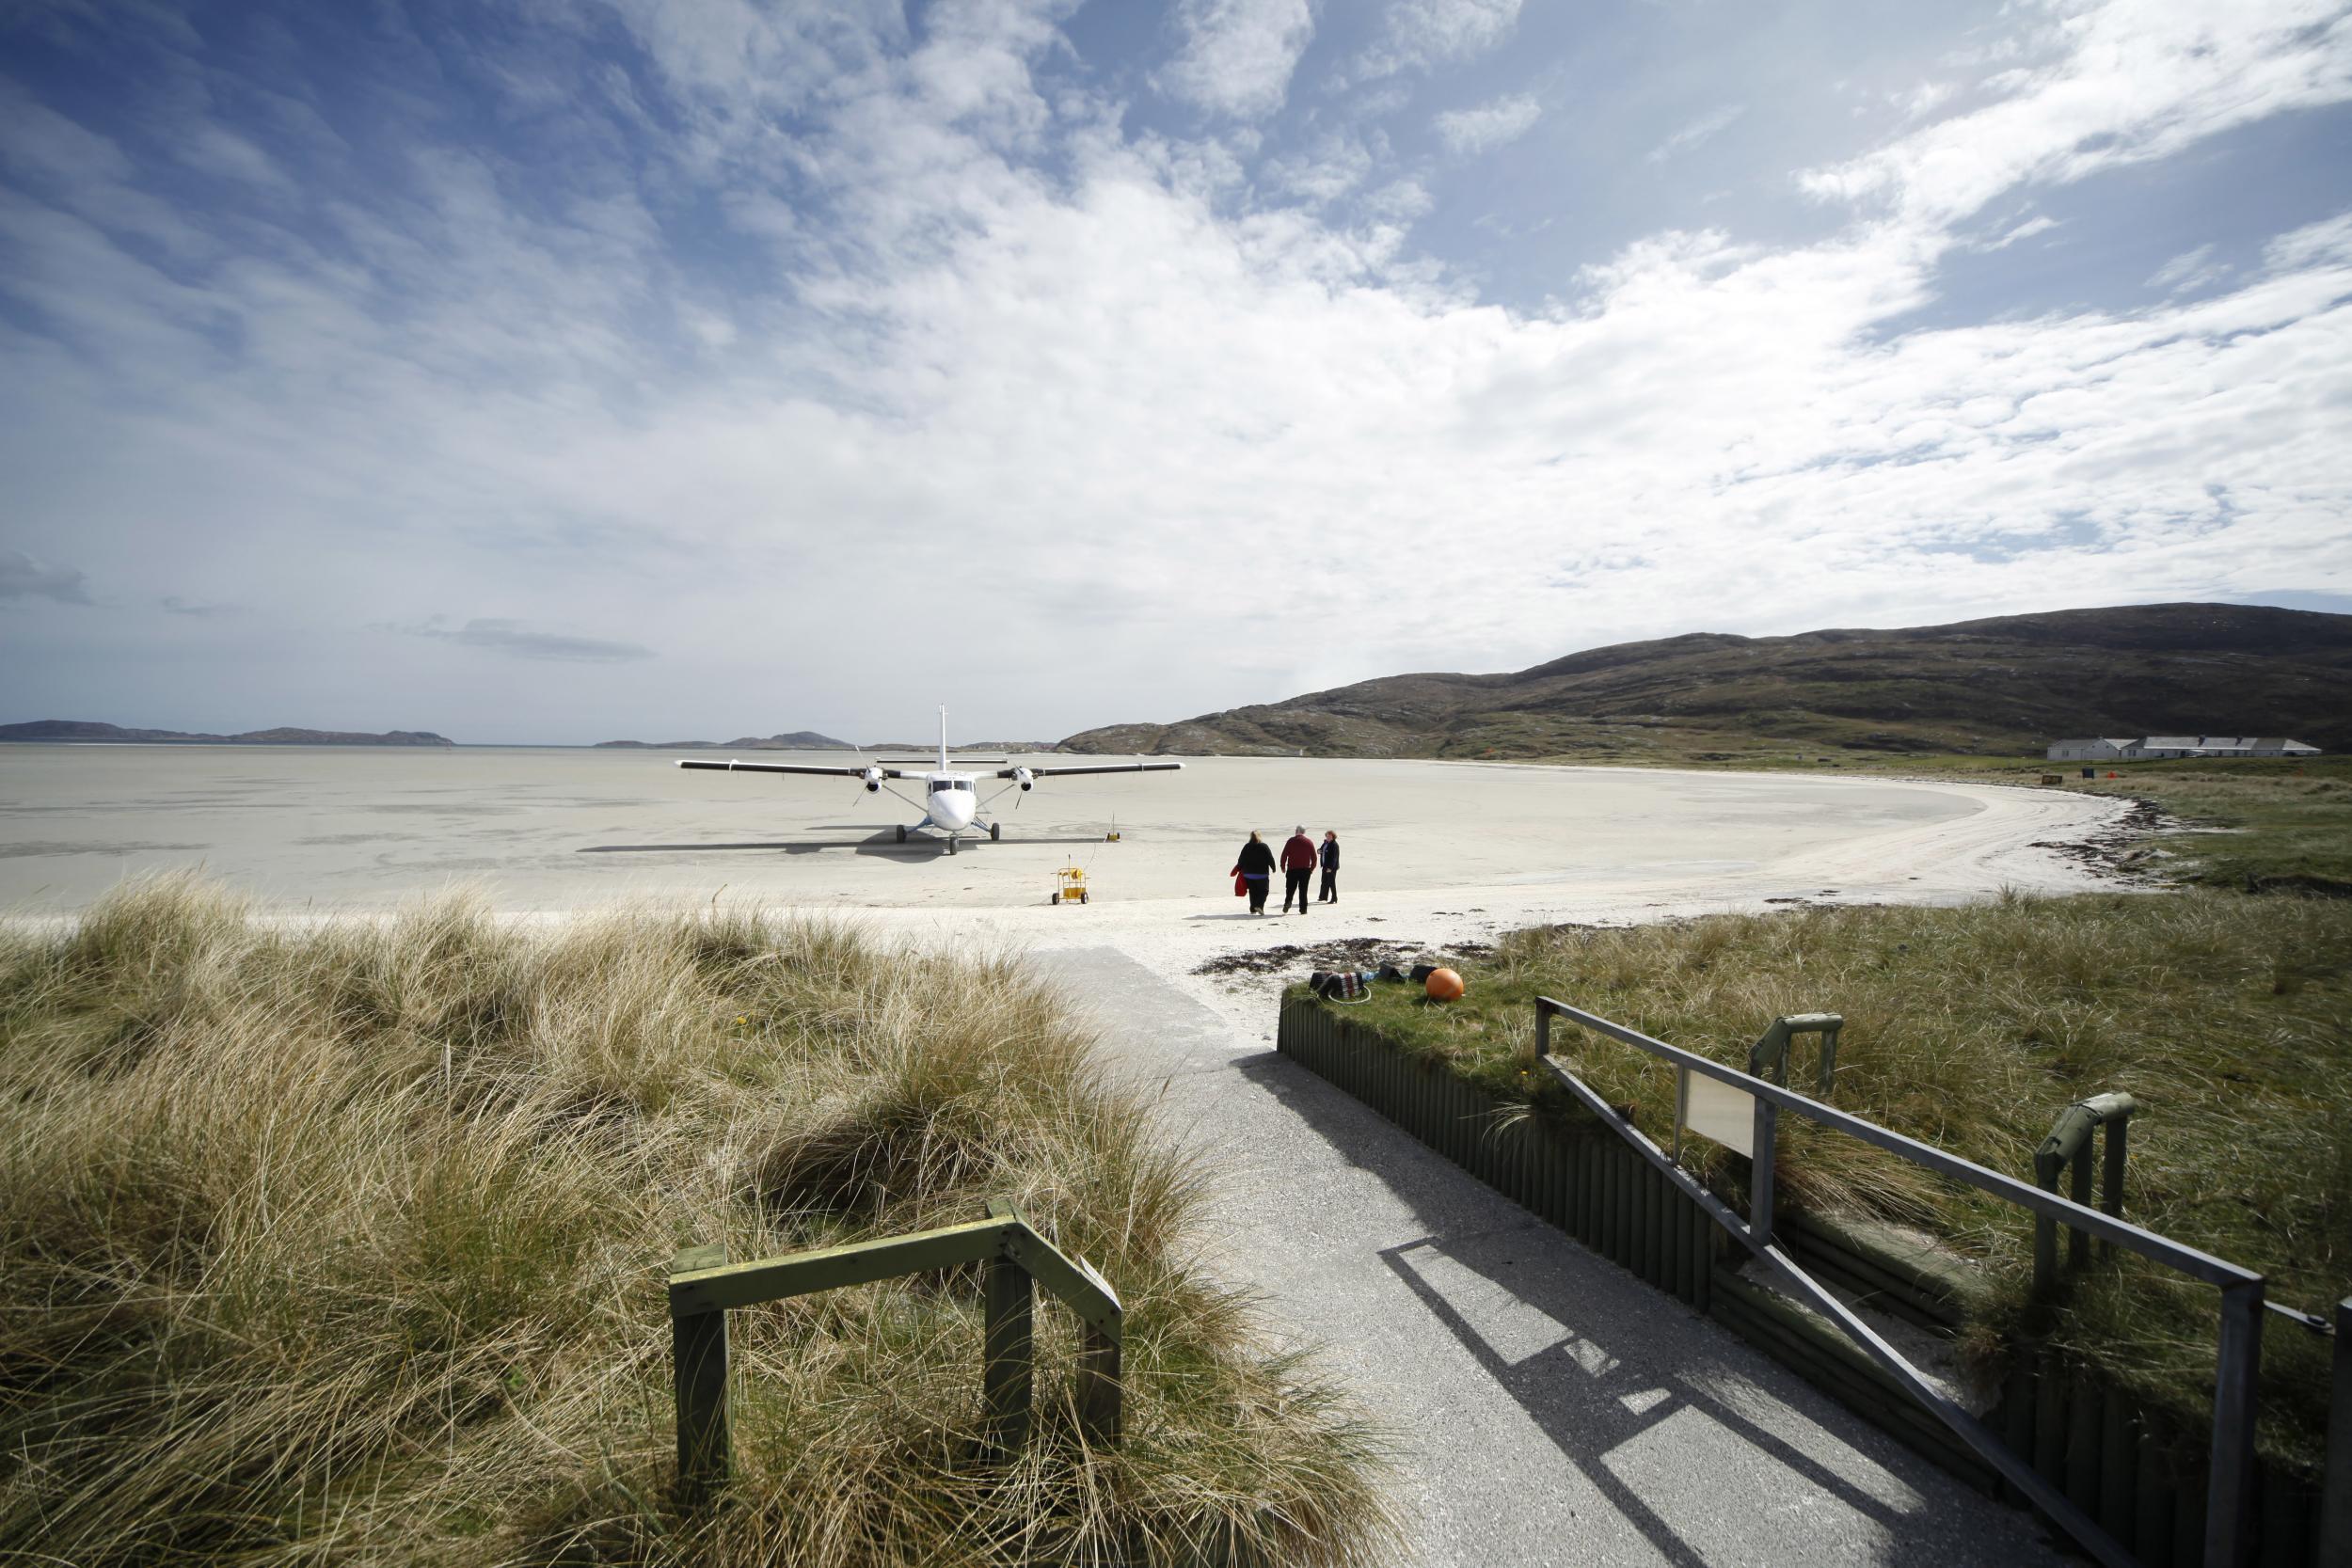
(1331, 868)
(1255, 866)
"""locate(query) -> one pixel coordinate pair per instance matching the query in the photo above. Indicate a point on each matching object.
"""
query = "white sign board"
(1716, 1110)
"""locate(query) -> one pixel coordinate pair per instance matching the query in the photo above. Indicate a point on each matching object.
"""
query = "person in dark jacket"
(1331, 868)
(1255, 866)
(1298, 863)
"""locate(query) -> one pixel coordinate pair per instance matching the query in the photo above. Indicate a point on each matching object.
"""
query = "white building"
(2153, 747)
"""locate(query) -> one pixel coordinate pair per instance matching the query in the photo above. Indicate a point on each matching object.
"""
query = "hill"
(2010, 685)
(795, 740)
(90, 732)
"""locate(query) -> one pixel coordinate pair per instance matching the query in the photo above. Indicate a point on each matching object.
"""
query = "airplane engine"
(873, 781)
(1027, 778)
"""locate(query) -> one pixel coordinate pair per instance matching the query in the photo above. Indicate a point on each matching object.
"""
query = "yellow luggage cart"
(1070, 886)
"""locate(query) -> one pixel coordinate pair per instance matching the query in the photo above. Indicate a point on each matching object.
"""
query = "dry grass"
(2225, 1015)
(344, 1245)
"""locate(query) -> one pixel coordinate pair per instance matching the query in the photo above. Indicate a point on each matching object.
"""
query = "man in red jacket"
(1298, 863)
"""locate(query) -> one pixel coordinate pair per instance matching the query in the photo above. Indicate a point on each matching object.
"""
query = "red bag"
(1241, 885)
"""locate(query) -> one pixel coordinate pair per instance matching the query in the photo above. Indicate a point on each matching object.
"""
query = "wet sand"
(545, 830)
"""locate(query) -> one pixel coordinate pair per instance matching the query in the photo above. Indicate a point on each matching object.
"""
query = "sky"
(558, 371)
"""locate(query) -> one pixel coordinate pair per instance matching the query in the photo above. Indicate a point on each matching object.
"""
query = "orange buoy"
(1443, 985)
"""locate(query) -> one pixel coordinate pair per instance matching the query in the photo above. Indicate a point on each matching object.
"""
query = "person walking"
(1331, 868)
(1298, 863)
(1254, 868)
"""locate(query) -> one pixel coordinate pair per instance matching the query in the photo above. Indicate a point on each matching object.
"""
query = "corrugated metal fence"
(2140, 1473)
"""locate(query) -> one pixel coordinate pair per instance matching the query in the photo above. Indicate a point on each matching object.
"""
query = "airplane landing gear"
(995, 830)
(951, 846)
(902, 832)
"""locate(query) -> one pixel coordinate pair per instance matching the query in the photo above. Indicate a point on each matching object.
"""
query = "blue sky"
(567, 370)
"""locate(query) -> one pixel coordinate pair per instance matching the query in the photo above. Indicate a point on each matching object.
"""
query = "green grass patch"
(1971, 1028)
(2256, 824)
(345, 1243)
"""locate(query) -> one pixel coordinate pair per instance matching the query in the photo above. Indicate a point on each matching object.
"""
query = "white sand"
(1431, 852)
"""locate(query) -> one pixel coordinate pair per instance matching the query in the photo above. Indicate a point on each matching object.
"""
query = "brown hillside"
(2009, 684)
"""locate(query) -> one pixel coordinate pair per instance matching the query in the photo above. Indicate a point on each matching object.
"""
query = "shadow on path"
(1600, 1361)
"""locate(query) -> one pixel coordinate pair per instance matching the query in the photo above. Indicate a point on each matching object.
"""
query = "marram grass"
(343, 1244)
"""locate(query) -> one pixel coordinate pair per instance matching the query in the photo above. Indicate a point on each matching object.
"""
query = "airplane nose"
(955, 806)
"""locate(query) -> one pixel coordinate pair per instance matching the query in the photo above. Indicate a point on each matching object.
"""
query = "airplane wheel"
(951, 846)
(902, 832)
(995, 830)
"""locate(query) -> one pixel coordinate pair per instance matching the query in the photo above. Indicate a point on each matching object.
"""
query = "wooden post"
(1099, 1386)
(1007, 1349)
(698, 1356)
(1005, 1370)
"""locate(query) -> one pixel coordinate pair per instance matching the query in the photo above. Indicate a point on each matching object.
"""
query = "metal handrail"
(2229, 1534)
(703, 1286)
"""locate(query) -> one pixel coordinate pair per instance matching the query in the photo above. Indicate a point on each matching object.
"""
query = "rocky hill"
(88, 731)
(2008, 685)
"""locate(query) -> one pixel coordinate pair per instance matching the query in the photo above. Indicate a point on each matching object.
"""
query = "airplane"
(952, 803)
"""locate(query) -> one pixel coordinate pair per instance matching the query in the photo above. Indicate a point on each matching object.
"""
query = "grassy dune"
(1970, 1028)
(344, 1245)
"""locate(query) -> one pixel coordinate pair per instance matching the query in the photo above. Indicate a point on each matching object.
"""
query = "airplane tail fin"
(942, 737)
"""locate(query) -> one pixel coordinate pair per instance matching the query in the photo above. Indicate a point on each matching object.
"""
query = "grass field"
(2225, 1015)
(344, 1245)
(2257, 824)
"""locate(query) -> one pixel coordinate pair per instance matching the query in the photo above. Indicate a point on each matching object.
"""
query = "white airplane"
(951, 805)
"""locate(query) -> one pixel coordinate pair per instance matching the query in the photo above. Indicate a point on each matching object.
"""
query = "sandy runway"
(1434, 852)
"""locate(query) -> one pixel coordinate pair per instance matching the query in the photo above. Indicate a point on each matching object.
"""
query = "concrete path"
(1553, 1409)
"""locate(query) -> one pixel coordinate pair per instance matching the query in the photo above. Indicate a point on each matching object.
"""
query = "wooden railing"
(704, 1285)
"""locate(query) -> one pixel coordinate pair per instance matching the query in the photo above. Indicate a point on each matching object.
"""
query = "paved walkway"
(1552, 1408)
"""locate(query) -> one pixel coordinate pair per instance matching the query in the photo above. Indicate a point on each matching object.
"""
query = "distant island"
(795, 740)
(809, 740)
(88, 731)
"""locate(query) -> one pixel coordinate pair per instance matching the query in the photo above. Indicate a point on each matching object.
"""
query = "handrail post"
(1005, 1357)
(1760, 1174)
(698, 1353)
(1771, 1058)
(2335, 1487)
(2229, 1501)
(2111, 1173)
(1099, 1386)
(2068, 1146)
(2078, 1243)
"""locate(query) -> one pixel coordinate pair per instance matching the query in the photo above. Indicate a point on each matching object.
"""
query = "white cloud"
(1923, 100)
(1488, 126)
(1237, 56)
(2191, 269)
(1700, 130)
(2135, 80)
(2025, 230)
(1417, 33)
(1013, 395)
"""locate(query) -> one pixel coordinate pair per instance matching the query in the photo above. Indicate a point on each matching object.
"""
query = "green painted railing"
(704, 1285)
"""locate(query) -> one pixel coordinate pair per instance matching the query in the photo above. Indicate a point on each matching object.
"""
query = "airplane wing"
(1103, 767)
(789, 768)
